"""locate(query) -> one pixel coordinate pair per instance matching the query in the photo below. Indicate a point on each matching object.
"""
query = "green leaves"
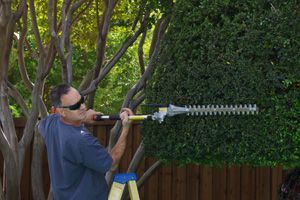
(231, 52)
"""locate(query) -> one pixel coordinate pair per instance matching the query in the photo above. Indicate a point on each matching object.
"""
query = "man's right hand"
(125, 112)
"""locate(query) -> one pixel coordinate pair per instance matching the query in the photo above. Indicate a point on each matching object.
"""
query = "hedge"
(229, 52)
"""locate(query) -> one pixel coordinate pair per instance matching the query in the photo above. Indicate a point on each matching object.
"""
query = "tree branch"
(28, 84)
(14, 93)
(36, 167)
(35, 28)
(148, 173)
(7, 119)
(139, 15)
(33, 117)
(4, 143)
(141, 52)
(138, 156)
(1, 190)
(137, 101)
(146, 76)
(50, 58)
(22, 8)
(128, 42)
(76, 18)
(5, 13)
(32, 54)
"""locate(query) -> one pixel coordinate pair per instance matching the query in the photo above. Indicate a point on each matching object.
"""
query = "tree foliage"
(83, 43)
(229, 52)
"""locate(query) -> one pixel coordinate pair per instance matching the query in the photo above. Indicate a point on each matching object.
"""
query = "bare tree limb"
(115, 131)
(7, 27)
(109, 6)
(136, 160)
(36, 166)
(5, 12)
(20, 11)
(64, 11)
(52, 25)
(4, 143)
(141, 52)
(1, 191)
(97, 14)
(28, 84)
(33, 117)
(77, 17)
(9, 147)
(155, 37)
(64, 41)
(50, 59)
(142, 81)
(7, 119)
(52, 17)
(115, 59)
(32, 54)
(14, 93)
(35, 28)
(139, 15)
(137, 101)
(148, 173)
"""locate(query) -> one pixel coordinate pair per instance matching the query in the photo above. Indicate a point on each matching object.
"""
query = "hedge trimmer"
(194, 110)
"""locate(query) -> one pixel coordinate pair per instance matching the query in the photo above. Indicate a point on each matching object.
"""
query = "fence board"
(179, 184)
(206, 190)
(276, 175)
(219, 183)
(166, 183)
(151, 187)
(233, 183)
(169, 182)
(192, 182)
(263, 183)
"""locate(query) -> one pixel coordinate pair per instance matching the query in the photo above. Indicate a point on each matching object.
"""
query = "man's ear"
(58, 111)
(61, 111)
(54, 110)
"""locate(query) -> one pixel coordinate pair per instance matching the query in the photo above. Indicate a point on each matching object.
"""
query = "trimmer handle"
(117, 117)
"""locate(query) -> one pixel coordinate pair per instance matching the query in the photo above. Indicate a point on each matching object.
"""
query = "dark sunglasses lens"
(77, 105)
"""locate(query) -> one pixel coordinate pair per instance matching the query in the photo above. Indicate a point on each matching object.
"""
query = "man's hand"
(89, 116)
(125, 112)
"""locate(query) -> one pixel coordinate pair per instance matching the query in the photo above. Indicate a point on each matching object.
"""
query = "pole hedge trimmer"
(193, 110)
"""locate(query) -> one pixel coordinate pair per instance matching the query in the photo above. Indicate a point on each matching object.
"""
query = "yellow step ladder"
(118, 186)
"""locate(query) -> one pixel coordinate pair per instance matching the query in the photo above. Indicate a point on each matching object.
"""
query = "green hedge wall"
(229, 52)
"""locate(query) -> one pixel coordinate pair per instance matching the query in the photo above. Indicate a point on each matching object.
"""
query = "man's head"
(69, 103)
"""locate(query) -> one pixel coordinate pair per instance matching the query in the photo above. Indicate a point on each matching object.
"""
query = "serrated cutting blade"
(222, 109)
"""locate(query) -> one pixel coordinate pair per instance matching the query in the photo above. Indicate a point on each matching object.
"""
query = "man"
(77, 162)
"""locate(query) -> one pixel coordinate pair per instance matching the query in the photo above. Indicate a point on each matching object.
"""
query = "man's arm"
(118, 150)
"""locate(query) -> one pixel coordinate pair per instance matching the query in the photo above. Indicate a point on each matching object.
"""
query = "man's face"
(70, 99)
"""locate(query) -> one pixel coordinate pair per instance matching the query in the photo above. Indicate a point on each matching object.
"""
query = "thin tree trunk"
(36, 167)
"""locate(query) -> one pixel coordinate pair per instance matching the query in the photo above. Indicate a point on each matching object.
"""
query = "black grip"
(114, 117)
(106, 117)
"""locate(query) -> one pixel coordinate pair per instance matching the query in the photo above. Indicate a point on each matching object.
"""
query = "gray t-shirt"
(77, 161)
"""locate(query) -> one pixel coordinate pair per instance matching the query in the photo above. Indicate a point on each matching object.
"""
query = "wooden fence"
(190, 182)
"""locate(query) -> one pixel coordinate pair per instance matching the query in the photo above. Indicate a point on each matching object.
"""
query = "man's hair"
(57, 92)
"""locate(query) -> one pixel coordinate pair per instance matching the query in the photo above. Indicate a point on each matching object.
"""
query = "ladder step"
(119, 182)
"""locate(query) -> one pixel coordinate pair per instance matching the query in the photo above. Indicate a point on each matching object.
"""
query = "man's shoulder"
(47, 122)
(50, 118)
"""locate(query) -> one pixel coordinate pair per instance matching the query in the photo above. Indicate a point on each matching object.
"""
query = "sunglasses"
(76, 105)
